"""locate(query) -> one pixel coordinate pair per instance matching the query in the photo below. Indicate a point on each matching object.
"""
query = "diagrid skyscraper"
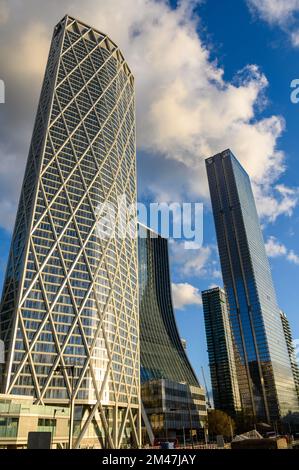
(265, 377)
(69, 314)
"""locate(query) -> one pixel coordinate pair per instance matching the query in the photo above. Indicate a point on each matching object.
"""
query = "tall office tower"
(69, 314)
(291, 348)
(170, 391)
(222, 362)
(264, 371)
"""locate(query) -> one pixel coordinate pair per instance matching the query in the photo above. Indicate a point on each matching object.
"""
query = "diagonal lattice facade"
(70, 297)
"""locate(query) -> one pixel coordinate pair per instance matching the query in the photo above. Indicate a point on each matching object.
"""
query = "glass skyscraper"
(265, 377)
(170, 390)
(69, 313)
(220, 344)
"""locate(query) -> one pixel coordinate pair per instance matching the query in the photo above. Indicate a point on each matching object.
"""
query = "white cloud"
(184, 294)
(186, 111)
(217, 274)
(275, 201)
(276, 249)
(191, 262)
(293, 257)
(279, 12)
(4, 11)
(189, 259)
(10, 171)
(275, 11)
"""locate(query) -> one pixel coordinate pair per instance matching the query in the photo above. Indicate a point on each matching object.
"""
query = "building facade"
(220, 344)
(291, 348)
(265, 377)
(171, 394)
(69, 313)
(19, 416)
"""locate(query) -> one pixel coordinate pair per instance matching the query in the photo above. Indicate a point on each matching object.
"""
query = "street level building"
(19, 416)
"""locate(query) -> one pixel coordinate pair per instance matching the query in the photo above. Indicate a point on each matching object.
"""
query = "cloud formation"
(273, 201)
(186, 111)
(185, 294)
(282, 13)
(195, 261)
(275, 249)
(191, 262)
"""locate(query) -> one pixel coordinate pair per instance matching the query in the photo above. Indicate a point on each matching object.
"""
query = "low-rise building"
(19, 416)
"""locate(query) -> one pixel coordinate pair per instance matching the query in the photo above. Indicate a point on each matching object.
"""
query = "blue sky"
(236, 39)
(209, 75)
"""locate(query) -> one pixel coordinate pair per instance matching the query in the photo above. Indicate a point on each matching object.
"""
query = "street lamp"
(190, 416)
(206, 431)
(53, 428)
(189, 399)
(72, 400)
(54, 423)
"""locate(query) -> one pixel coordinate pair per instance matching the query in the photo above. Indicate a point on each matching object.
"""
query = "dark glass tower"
(69, 313)
(220, 344)
(170, 390)
(265, 377)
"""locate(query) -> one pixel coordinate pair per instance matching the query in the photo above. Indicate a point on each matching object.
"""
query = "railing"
(10, 408)
(9, 429)
(47, 429)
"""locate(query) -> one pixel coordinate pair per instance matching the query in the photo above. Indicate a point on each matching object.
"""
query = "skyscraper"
(264, 370)
(170, 391)
(69, 313)
(220, 344)
(291, 348)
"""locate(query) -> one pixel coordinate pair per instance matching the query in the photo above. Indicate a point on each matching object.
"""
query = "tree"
(220, 423)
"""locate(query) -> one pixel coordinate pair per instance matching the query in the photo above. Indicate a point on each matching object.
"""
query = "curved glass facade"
(264, 371)
(70, 295)
(162, 355)
(170, 390)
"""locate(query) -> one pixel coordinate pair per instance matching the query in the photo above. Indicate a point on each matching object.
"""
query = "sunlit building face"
(70, 296)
